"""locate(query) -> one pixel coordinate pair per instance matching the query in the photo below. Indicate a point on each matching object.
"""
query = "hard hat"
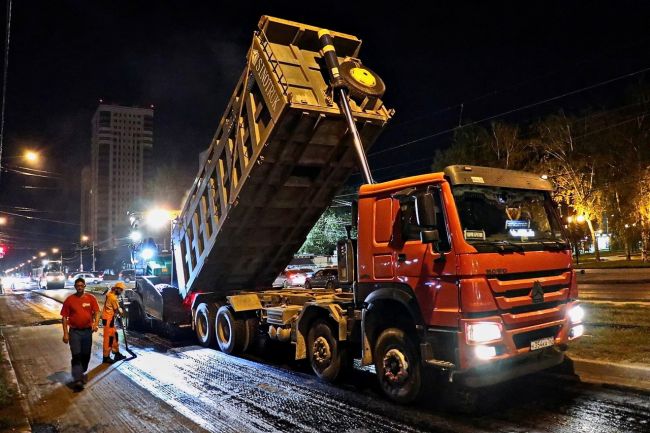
(119, 285)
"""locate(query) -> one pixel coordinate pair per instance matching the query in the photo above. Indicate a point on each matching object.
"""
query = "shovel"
(126, 342)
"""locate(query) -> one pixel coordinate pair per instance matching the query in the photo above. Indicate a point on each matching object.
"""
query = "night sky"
(185, 58)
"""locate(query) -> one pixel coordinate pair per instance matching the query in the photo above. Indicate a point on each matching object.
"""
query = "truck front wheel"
(325, 352)
(232, 335)
(204, 324)
(398, 366)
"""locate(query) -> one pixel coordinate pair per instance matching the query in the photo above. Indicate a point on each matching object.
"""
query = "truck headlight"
(576, 314)
(576, 331)
(485, 352)
(482, 332)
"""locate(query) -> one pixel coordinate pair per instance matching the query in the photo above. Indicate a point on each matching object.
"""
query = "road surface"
(616, 285)
(181, 387)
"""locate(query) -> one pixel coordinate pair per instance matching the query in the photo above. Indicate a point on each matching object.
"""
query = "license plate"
(542, 343)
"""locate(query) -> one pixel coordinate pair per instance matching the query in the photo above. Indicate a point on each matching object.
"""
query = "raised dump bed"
(280, 154)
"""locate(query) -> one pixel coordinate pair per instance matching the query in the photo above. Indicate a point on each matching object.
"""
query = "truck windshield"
(508, 219)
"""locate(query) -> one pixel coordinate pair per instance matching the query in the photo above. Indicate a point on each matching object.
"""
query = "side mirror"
(425, 208)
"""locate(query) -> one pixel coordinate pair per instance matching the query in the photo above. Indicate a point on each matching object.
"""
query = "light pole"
(56, 250)
(84, 238)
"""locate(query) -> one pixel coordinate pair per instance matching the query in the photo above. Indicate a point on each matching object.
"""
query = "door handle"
(401, 257)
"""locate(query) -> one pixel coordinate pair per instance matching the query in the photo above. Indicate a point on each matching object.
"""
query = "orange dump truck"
(465, 272)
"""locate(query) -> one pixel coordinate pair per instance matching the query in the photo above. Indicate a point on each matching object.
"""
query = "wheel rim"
(396, 367)
(321, 352)
(223, 330)
(202, 325)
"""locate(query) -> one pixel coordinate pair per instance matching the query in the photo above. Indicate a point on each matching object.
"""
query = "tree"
(573, 165)
(499, 145)
(329, 229)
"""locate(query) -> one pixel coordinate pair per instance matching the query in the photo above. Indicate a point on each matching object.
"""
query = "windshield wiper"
(501, 246)
(555, 245)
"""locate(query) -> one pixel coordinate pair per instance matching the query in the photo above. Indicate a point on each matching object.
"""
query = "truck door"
(429, 269)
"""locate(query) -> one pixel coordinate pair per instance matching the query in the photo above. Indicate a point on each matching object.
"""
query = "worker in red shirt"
(111, 310)
(80, 314)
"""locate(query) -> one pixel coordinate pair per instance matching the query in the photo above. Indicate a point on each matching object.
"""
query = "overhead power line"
(514, 110)
(38, 219)
(4, 81)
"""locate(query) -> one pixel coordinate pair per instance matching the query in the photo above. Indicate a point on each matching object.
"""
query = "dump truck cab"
(473, 264)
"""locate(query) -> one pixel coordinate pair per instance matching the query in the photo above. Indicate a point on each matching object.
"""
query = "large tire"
(231, 333)
(135, 320)
(398, 366)
(204, 324)
(330, 285)
(307, 285)
(326, 355)
(360, 80)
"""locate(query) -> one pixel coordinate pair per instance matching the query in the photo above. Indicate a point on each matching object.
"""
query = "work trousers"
(81, 341)
(110, 336)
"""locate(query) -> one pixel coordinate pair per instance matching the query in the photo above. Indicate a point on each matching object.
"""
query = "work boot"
(77, 385)
(118, 357)
(107, 360)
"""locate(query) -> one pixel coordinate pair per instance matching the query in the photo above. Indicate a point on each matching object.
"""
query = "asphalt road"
(180, 387)
(615, 285)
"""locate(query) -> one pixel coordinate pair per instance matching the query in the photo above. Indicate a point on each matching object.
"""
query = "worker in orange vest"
(111, 309)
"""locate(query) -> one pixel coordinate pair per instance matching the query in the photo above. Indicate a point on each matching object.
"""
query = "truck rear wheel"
(204, 324)
(325, 351)
(232, 335)
(398, 366)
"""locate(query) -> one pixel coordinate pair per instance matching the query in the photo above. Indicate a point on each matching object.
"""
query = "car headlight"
(576, 314)
(482, 332)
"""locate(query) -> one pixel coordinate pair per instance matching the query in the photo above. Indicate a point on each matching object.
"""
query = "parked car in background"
(127, 275)
(280, 280)
(297, 277)
(89, 277)
(328, 278)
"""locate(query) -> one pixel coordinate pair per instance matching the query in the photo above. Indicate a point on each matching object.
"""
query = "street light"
(85, 238)
(42, 254)
(56, 250)
(31, 156)
(3, 220)
(156, 219)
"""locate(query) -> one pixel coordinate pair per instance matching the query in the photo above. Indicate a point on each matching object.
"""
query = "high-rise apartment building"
(122, 146)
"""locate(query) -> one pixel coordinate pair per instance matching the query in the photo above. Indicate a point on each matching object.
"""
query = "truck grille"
(526, 291)
(530, 275)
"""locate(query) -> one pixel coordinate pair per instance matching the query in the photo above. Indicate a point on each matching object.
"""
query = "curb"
(23, 426)
(602, 372)
(638, 281)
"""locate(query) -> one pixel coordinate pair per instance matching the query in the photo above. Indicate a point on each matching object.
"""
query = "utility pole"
(81, 259)
(93, 256)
